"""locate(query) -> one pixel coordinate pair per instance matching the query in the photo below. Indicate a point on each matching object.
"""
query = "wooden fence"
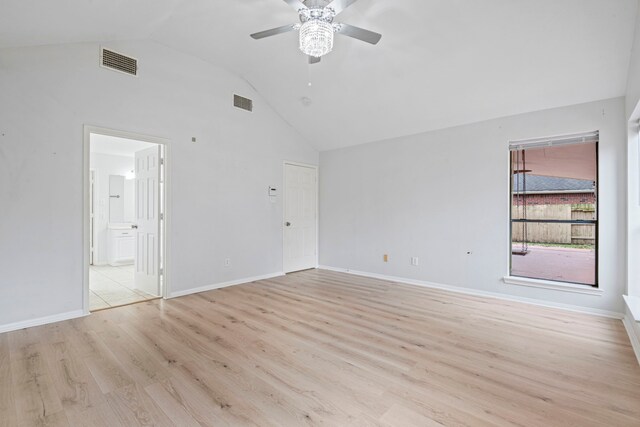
(577, 234)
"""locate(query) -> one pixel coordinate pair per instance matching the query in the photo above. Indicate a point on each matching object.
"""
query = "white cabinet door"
(300, 207)
(126, 248)
(147, 217)
(121, 247)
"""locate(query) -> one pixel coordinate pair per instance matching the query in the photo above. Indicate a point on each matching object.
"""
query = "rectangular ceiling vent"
(242, 102)
(119, 62)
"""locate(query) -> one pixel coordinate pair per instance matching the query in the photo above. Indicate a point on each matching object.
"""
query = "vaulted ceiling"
(440, 63)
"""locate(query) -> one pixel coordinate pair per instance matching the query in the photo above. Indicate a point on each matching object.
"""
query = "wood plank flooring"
(322, 348)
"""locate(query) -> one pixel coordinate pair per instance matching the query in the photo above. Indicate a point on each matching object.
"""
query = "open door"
(147, 214)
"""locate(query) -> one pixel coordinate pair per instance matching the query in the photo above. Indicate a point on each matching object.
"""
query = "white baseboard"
(468, 291)
(224, 284)
(41, 321)
(633, 330)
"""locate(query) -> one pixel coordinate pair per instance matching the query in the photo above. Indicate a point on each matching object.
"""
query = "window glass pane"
(553, 198)
(575, 161)
(575, 263)
(555, 183)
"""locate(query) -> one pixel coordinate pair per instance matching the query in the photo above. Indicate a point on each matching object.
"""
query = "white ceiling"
(440, 63)
(115, 146)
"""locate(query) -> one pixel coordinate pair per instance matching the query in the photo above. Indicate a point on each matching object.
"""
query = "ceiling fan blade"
(273, 31)
(359, 33)
(313, 60)
(340, 5)
(296, 4)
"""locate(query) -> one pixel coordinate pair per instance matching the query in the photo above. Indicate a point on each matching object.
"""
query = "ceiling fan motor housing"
(325, 14)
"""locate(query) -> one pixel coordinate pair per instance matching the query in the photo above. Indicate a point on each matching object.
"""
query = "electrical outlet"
(414, 260)
(227, 262)
(385, 258)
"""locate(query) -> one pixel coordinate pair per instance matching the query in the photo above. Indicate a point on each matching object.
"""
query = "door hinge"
(161, 160)
(161, 217)
(161, 272)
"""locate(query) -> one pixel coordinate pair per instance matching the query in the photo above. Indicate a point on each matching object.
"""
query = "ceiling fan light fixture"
(316, 37)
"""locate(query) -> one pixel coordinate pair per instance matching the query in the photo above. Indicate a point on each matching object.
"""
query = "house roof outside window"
(551, 184)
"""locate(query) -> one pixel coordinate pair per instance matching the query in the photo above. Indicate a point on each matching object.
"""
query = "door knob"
(134, 226)
(288, 224)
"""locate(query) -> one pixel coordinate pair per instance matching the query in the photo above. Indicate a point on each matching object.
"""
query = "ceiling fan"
(317, 27)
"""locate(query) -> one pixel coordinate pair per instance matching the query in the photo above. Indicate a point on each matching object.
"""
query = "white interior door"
(147, 217)
(300, 210)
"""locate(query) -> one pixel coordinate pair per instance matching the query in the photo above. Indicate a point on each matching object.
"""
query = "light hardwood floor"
(322, 348)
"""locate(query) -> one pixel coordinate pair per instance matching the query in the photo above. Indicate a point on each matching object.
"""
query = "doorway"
(124, 218)
(300, 235)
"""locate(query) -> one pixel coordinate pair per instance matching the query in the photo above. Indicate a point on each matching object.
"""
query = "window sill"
(634, 306)
(550, 284)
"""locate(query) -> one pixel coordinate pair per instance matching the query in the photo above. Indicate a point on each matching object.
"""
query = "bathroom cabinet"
(121, 245)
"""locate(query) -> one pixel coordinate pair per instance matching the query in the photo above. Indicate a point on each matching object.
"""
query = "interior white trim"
(551, 284)
(166, 253)
(42, 321)
(284, 194)
(468, 291)
(576, 138)
(540, 283)
(224, 284)
(633, 305)
(632, 330)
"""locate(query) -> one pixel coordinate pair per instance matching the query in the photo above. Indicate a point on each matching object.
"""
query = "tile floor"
(113, 286)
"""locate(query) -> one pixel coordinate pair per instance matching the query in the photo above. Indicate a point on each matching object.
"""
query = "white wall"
(218, 188)
(633, 82)
(105, 165)
(441, 194)
(633, 186)
(633, 168)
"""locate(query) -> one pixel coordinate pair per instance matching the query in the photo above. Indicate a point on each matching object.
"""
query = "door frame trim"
(166, 206)
(92, 211)
(284, 200)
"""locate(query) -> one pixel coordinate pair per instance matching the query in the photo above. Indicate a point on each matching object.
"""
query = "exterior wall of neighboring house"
(558, 199)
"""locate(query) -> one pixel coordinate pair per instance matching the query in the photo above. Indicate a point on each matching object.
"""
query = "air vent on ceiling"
(241, 102)
(117, 61)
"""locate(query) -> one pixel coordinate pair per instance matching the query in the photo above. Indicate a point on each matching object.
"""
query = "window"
(554, 209)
